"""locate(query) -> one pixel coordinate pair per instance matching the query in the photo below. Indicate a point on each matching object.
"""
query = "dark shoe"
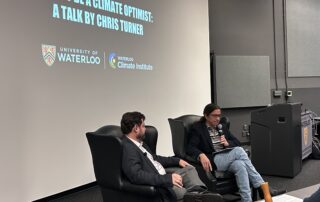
(210, 197)
(192, 197)
(276, 192)
(273, 192)
(202, 197)
(197, 189)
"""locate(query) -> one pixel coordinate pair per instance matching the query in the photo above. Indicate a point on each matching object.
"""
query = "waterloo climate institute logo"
(113, 60)
(49, 54)
(126, 62)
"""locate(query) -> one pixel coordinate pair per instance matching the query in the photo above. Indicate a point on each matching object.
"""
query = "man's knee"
(179, 192)
(239, 150)
(191, 168)
(240, 153)
(187, 169)
(237, 166)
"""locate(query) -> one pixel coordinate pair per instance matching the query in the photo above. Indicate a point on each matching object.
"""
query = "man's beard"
(141, 137)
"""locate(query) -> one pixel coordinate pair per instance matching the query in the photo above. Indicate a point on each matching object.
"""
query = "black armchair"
(216, 181)
(106, 150)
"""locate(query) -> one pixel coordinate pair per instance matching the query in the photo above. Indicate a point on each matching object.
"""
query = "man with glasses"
(216, 148)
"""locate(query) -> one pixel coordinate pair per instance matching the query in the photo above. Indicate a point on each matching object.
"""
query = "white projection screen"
(72, 66)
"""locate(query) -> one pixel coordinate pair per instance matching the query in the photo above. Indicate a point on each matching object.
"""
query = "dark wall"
(254, 28)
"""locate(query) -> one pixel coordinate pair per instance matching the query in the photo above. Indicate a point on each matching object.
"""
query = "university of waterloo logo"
(49, 54)
(113, 60)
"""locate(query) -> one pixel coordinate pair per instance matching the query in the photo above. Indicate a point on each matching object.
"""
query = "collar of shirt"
(139, 144)
(209, 128)
(156, 164)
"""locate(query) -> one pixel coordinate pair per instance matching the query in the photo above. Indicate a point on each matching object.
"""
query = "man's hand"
(176, 180)
(224, 141)
(205, 162)
(183, 163)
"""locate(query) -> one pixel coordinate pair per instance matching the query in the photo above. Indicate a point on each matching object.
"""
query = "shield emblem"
(49, 54)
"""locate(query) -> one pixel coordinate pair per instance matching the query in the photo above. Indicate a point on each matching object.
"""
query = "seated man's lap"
(224, 159)
(191, 181)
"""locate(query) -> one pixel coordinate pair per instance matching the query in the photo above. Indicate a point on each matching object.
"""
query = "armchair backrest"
(106, 149)
(151, 138)
(180, 130)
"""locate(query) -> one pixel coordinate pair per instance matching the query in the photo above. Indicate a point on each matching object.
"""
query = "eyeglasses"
(215, 115)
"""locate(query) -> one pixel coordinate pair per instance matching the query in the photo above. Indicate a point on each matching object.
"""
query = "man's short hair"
(129, 120)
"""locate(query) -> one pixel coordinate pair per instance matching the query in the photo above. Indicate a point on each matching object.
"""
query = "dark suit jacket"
(139, 169)
(200, 142)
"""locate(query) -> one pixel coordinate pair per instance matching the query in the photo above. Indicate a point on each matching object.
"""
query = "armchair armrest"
(145, 190)
(222, 174)
(214, 174)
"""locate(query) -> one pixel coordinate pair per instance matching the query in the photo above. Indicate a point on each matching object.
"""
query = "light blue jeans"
(236, 161)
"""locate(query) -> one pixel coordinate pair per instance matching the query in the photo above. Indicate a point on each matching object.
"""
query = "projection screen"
(69, 67)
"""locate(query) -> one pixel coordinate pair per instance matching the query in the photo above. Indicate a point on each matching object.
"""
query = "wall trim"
(68, 192)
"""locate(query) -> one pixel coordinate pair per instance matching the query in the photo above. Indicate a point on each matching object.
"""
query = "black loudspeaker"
(276, 140)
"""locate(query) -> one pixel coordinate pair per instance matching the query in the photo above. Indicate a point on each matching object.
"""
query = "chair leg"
(254, 194)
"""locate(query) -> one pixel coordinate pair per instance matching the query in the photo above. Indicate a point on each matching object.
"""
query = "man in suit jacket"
(215, 147)
(142, 167)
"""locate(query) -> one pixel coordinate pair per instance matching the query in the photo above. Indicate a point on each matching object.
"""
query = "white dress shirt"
(156, 164)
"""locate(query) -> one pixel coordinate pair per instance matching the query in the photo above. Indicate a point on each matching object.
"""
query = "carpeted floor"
(309, 175)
